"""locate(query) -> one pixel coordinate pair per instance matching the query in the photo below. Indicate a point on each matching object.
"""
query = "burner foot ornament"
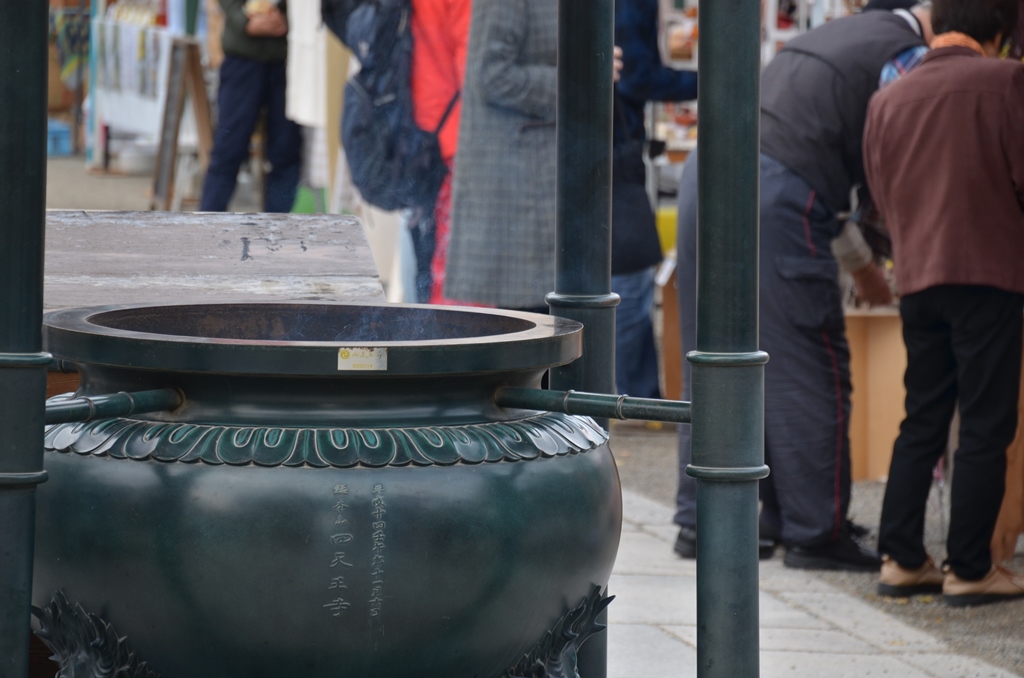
(555, 655)
(84, 645)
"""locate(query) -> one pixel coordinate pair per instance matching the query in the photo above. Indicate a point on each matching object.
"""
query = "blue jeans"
(246, 88)
(636, 359)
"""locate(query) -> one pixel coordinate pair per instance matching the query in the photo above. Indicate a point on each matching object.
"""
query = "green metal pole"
(727, 368)
(584, 203)
(23, 73)
(598, 405)
(583, 215)
(113, 405)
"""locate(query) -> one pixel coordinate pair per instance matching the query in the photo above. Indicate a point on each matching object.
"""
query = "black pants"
(807, 379)
(246, 88)
(963, 343)
(423, 230)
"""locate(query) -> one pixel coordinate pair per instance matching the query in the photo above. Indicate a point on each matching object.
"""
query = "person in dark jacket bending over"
(814, 98)
(944, 149)
(252, 79)
(636, 248)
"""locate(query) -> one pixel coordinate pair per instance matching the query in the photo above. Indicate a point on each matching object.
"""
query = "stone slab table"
(100, 258)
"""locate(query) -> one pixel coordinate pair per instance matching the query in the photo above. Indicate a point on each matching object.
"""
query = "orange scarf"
(954, 39)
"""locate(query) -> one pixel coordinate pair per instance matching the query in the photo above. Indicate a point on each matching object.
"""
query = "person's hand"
(872, 286)
(269, 24)
(680, 43)
(616, 63)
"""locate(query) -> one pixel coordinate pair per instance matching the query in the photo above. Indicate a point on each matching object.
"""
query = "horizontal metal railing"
(87, 408)
(597, 405)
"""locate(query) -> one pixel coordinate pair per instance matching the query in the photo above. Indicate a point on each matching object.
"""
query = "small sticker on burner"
(370, 359)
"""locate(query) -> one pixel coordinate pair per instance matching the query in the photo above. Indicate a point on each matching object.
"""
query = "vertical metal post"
(23, 86)
(583, 235)
(727, 369)
(583, 212)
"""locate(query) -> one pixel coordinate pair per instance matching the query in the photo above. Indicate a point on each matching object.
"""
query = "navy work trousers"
(963, 344)
(248, 87)
(807, 378)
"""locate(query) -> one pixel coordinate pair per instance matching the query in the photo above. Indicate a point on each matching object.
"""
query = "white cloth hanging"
(306, 101)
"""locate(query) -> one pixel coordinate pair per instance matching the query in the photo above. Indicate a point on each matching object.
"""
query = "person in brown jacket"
(944, 156)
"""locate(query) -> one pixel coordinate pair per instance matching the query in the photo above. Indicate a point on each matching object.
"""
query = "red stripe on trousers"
(807, 224)
(838, 380)
(839, 432)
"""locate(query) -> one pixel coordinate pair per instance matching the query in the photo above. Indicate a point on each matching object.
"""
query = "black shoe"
(768, 537)
(766, 530)
(857, 530)
(686, 545)
(842, 554)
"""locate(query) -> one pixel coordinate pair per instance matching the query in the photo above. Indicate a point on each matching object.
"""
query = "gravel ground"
(647, 465)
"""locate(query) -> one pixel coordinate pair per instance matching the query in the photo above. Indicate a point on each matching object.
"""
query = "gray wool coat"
(501, 248)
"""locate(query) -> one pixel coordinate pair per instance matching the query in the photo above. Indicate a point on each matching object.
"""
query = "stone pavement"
(809, 629)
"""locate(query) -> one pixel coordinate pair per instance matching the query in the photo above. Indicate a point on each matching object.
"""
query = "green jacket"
(238, 43)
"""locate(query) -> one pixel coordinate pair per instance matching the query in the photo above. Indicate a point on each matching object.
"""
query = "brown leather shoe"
(901, 582)
(998, 585)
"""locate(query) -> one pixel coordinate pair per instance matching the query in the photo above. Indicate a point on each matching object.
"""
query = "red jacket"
(440, 33)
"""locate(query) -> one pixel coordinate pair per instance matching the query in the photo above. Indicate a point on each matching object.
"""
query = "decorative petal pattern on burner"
(541, 436)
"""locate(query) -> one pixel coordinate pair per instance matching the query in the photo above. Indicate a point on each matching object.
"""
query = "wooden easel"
(185, 77)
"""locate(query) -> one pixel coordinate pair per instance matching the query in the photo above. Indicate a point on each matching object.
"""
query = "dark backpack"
(393, 163)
